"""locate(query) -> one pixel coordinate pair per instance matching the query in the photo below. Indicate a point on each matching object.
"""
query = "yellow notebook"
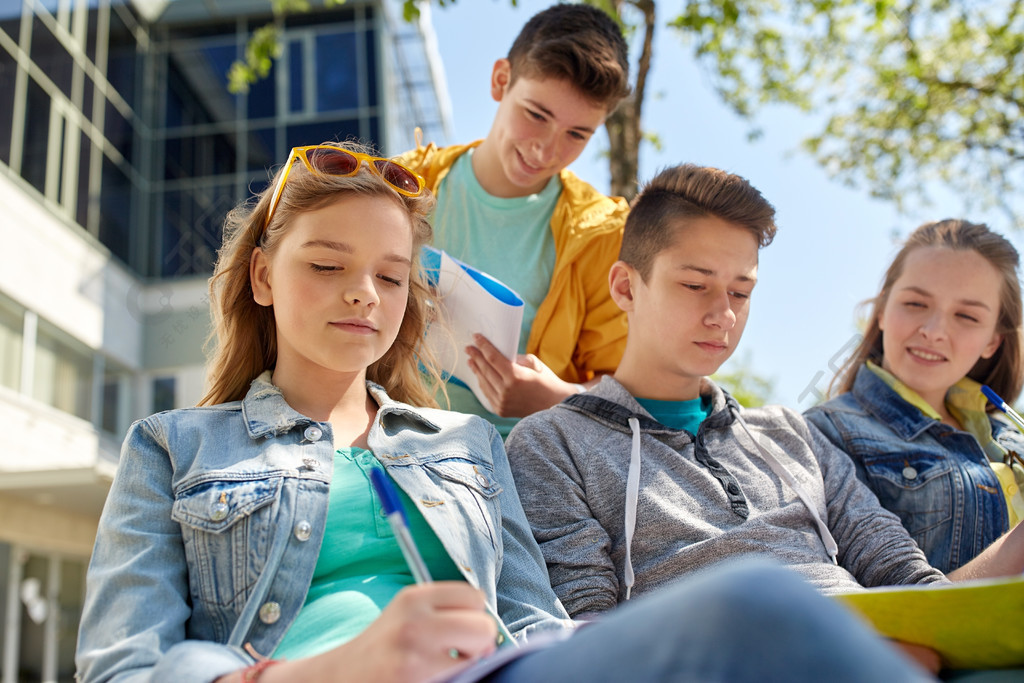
(971, 624)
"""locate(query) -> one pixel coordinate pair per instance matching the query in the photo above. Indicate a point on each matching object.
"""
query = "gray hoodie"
(696, 499)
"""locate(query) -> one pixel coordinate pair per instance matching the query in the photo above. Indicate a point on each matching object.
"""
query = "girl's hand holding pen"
(426, 630)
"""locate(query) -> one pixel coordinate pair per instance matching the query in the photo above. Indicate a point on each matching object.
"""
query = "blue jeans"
(741, 621)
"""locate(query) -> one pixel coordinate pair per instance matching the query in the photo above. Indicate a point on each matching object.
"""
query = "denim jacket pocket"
(475, 493)
(916, 486)
(226, 526)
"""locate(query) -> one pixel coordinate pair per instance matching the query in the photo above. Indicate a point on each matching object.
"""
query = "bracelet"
(251, 673)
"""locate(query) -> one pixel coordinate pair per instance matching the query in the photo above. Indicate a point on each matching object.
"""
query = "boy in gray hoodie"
(657, 472)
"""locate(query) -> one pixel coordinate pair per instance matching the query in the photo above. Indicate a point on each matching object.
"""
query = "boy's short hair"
(690, 191)
(578, 43)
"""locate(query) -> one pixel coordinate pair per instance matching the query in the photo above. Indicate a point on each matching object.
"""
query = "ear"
(621, 280)
(259, 278)
(993, 346)
(501, 76)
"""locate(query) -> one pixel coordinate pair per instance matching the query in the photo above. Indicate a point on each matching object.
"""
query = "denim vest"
(213, 526)
(935, 477)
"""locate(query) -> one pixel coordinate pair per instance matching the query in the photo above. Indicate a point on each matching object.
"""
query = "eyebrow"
(550, 114)
(709, 273)
(964, 302)
(347, 249)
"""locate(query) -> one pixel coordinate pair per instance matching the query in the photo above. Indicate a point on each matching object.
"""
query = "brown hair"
(244, 337)
(1003, 371)
(689, 191)
(578, 43)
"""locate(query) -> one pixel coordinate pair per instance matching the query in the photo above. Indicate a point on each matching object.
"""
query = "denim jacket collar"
(266, 412)
(882, 402)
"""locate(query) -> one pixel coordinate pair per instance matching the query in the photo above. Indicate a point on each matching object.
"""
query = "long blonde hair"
(1003, 371)
(243, 342)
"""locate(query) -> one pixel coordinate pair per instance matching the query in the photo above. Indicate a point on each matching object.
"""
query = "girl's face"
(940, 319)
(339, 284)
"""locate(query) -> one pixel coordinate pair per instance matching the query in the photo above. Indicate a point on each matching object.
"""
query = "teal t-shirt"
(360, 567)
(507, 238)
(678, 414)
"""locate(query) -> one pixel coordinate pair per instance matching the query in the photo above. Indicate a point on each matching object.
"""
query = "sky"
(833, 244)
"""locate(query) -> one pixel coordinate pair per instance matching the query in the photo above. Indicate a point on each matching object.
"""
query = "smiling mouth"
(355, 325)
(926, 355)
(527, 165)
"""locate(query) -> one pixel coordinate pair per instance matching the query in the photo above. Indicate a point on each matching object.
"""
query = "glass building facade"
(125, 126)
(121, 151)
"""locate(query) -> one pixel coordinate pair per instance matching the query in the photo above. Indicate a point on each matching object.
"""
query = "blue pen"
(399, 523)
(1003, 406)
(395, 514)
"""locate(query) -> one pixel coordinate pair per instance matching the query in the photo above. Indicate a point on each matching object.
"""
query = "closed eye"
(391, 280)
(317, 268)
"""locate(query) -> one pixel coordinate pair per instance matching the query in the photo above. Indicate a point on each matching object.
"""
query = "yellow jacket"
(578, 330)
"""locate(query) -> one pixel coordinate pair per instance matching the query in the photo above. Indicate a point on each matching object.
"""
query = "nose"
(543, 148)
(934, 327)
(720, 314)
(360, 290)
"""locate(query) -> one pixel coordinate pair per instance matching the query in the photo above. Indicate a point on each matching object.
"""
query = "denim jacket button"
(303, 530)
(909, 472)
(219, 511)
(270, 612)
(313, 433)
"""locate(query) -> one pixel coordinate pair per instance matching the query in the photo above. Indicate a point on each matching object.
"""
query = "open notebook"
(971, 624)
(470, 301)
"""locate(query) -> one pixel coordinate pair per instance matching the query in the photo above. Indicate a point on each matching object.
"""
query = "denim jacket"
(213, 526)
(935, 477)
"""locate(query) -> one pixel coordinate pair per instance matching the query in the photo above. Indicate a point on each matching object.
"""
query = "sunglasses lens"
(333, 161)
(400, 177)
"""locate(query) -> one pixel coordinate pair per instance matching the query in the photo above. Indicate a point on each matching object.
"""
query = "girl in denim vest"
(911, 412)
(242, 539)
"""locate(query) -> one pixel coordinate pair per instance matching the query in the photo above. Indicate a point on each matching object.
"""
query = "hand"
(413, 639)
(925, 657)
(515, 388)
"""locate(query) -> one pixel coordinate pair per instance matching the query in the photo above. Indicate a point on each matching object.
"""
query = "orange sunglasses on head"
(330, 160)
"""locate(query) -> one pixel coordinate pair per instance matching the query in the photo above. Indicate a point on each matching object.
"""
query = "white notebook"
(470, 302)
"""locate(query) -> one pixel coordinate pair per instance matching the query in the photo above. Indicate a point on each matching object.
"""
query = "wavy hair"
(243, 342)
(1003, 371)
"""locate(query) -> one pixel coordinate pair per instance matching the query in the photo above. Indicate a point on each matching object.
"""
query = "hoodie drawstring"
(780, 470)
(632, 498)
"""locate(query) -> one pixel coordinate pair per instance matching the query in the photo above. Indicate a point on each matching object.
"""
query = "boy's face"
(688, 317)
(541, 126)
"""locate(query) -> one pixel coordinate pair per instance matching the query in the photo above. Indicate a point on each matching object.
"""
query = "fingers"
(445, 618)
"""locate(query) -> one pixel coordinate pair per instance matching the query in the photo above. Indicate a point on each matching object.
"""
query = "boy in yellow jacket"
(508, 206)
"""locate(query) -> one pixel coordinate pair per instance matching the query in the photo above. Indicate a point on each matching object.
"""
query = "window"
(51, 590)
(37, 133)
(11, 325)
(63, 373)
(337, 72)
(8, 72)
(117, 401)
(163, 393)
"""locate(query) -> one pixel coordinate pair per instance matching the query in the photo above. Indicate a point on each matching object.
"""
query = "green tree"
(746, 386)
(909, 92)
(912, 93)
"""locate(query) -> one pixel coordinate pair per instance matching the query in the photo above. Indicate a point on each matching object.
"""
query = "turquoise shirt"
(360, 567)
(678, 414)
(507, 238)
